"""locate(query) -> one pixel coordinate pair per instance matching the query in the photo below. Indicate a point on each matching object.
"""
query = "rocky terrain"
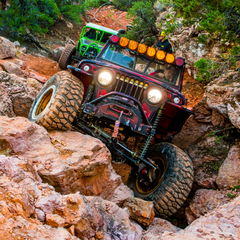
(61, 185)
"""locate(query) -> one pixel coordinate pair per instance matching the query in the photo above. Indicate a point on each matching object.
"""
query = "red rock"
(7, 48)
(140, 210)
(205, 201)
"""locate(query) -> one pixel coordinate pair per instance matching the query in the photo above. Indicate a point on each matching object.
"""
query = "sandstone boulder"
(56, 53)
(222, 96)
(228, 174)
(12, 68)
(205, 201)
(7, 48)
(26, 204)
(16, 94)
(140, 210)
(20, 228)
(157, 228)
(116, 221)
(69, 161)
(222, 223)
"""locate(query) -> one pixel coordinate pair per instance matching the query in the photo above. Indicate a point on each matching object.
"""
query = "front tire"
(57, 103)
(170, 188)
(66, 56)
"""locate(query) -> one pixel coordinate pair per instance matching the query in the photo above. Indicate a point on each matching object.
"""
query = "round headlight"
(105, 78)
(154, 95)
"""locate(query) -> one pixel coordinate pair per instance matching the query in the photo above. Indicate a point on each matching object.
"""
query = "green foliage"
(220, 18)
(235, 50)
(231, 196)
(203, 66)
(140, 11)
(235, 187)
(35, 15)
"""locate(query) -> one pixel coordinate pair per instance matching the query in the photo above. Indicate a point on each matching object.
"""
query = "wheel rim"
(146, 187)
(43, 101)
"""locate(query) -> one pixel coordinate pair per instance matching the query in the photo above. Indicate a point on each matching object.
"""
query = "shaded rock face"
(222, 222)
(203, 202)
(228, 175)
(218, 109)
(17, 95)
(7, 48)
(207, 154)
(116, 221)
(223, 94)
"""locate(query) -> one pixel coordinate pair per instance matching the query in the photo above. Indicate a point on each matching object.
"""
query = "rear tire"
(66, 56)
(173, 182)
(56, 105)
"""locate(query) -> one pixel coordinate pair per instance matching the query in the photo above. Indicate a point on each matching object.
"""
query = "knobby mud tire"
(176, 184)
(57, 103)
(66, 56)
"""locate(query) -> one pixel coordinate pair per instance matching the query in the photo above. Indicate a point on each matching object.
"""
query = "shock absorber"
(146, 144)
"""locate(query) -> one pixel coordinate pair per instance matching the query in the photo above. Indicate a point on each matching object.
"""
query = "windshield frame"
(176, 76)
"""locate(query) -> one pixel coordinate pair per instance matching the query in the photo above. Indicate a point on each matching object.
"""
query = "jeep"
(91, 41)
(130, 98)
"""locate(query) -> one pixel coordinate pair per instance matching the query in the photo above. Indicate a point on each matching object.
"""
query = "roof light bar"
(133, 45)
(170, 58)
(123, 42)
(142, 48)
(151, 52)
(160, 55)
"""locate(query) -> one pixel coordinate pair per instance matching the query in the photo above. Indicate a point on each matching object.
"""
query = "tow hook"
(116, 127)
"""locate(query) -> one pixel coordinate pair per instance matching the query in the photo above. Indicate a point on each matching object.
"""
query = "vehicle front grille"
(130, 86)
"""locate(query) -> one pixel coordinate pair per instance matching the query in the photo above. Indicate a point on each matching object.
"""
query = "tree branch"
(105, 4)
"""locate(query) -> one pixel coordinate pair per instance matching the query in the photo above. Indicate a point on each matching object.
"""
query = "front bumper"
(111, 105)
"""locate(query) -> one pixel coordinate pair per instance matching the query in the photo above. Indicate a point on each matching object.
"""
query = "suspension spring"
(144, 149)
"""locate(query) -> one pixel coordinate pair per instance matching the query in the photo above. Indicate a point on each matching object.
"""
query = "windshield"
(88, 42)
(157, 69)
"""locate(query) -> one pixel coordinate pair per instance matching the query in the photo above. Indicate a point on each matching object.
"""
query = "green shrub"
(203, 66)
(33, 15)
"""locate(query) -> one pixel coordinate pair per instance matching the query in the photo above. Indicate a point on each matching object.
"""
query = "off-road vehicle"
(91, 41)
(129, 97)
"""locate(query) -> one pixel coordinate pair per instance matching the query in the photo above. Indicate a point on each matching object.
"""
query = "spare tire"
(57, 103)
(66, 56)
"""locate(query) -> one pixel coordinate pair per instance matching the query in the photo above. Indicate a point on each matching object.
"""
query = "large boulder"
(12, 68)
(31, 209)
(223, 94)
(205, 201)
(69, 161)
(157, 228)
(228, 175)
(222, 223)
(7, 48)
(17, 95)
